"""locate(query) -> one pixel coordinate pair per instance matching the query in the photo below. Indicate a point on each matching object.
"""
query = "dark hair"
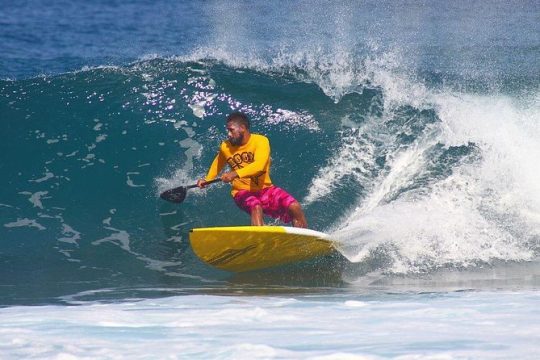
(239, 118)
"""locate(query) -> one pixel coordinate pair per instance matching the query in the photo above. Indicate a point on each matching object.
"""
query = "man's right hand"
(201, 183)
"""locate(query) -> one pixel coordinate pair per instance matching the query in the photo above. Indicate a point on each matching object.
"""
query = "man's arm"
(215, 169)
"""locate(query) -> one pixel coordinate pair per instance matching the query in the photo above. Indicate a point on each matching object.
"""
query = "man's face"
(235, 133)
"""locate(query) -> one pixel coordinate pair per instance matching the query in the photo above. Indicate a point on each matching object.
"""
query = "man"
(248, 156)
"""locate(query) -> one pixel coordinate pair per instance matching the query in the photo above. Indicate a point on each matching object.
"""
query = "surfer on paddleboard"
(248, 156)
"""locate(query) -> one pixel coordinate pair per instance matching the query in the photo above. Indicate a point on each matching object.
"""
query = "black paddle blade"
(176, 195)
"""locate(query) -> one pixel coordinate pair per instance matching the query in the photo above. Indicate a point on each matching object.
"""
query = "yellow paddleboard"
(245, 248)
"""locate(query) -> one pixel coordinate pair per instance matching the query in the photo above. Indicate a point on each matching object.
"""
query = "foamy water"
(488, 208)
(422, 326)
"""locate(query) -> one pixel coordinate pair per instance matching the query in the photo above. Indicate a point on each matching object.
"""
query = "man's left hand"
(229, 176)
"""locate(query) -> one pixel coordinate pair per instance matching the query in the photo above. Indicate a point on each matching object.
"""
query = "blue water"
(409, 131)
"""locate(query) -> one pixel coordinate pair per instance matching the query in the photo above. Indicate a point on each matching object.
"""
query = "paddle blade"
(176, 195)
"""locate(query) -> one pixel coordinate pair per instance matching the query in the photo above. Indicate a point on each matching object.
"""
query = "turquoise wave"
(87, 153)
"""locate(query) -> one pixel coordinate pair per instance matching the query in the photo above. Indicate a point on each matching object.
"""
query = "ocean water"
(408, 130)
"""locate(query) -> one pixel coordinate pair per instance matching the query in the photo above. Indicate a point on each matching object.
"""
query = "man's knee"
(297, 215)
(295, 208)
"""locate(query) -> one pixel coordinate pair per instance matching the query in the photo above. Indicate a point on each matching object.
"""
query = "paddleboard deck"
(246, 248)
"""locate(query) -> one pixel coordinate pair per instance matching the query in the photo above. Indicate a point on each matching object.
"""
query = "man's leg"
(251, 204)
(298, 217)
(257, 216)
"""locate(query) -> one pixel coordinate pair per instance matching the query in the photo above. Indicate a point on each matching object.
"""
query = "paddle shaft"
(206, 183)
(195, 185)
(178, 194)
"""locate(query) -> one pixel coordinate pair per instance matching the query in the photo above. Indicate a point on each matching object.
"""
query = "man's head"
(237, 128)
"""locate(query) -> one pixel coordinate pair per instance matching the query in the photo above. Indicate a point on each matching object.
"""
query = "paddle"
(178, 194)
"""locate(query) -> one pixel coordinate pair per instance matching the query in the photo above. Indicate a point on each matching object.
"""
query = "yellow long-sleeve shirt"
(250, 161)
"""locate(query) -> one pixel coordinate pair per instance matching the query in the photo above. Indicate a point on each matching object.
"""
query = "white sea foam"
(48, 175)
(35, 198)
(353, 158)
(486, 210)
(458, 325)
(71, 236)
(130, 181)
(118, 237)
(25, 223)
(293, 119)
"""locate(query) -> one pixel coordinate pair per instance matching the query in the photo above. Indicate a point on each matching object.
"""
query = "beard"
(237, 141)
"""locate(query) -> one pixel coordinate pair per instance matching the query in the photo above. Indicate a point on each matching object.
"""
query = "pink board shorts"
(274, 201)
